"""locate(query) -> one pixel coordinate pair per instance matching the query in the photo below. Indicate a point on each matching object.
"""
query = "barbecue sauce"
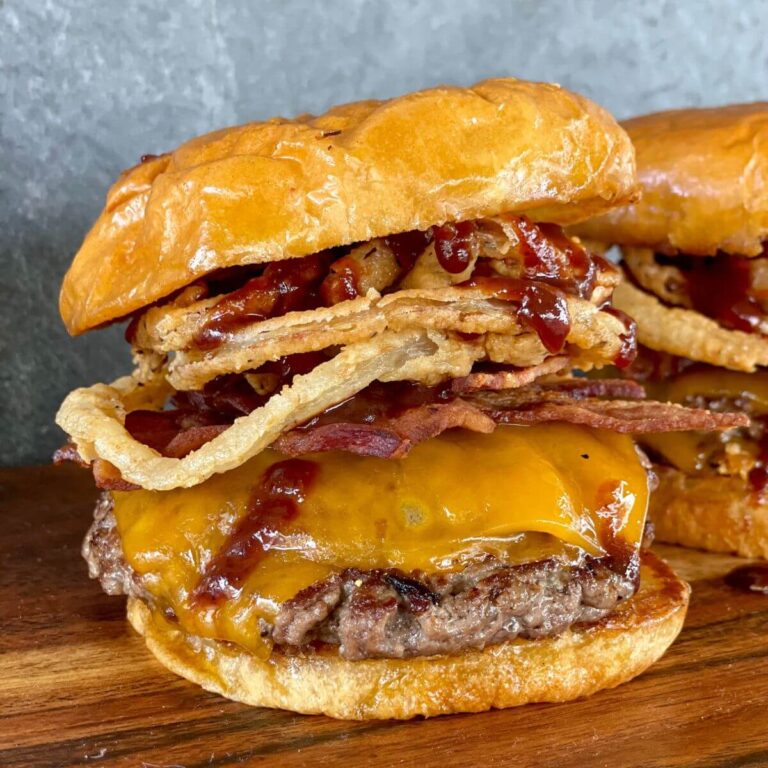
(406, 247)
(611, 503)
(628, 349)
(453, 245)
(720, 287)
(550, 256)
(284, 286)
(342, 283)
(552, 266)
(273, 504)
(749, 578)
(542, 308)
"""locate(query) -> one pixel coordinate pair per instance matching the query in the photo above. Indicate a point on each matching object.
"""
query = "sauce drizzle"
(284, 286)
(542, 307)
(342, 282)
(406, 247)
(549, 255)
(721, 287)
(749, 578)
(274, 502)
(453, 245)
(620, 554)
(628, 349)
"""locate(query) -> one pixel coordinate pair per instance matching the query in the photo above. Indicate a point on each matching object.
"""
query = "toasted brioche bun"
(576, 663)
(287, 188)
(718, 514)
(704, 176)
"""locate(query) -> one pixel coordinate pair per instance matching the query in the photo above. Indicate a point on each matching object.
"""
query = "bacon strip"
(564, 390)
(191, 439)
(625, 416)
(108, 478)
(105, 475)
(68, 452)
(509, 379)
(393, 438)
(387, 421)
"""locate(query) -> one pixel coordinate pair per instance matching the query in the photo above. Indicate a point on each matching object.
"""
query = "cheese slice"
(522, 493)
(718, 382)
(688, 451)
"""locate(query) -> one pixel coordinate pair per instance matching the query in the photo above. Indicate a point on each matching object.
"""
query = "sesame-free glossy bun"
(577, 663)
(715, 513)
(287, 188)
(704, 179)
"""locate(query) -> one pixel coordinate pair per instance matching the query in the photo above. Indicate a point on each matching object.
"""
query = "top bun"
(287, 188)
(704, 179)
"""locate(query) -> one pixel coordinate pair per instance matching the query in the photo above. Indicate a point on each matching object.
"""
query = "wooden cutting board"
(77, 686)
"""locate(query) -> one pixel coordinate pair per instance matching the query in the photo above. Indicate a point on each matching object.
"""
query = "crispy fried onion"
(464, 310)
(94, 417)
(175, 324)
(689, 334)
(663, 280)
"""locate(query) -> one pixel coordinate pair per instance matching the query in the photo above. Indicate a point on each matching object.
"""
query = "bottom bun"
(716, 513)
(577, 663)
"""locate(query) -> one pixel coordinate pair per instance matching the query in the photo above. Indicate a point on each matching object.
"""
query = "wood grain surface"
(77, 686)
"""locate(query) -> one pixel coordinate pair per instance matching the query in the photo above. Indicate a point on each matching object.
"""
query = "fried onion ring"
(687, 333)
(94, 416)
(667, 282)
(467, 311)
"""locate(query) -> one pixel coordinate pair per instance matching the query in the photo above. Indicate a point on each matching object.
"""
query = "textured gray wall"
(87, 87)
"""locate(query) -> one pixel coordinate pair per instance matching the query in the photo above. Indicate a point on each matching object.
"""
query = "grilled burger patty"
(388, 613)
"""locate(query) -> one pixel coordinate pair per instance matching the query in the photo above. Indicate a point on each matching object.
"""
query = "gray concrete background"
(88, 87)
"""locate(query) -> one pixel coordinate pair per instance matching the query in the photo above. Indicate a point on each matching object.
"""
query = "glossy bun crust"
(577, 663)
(704, 176)
(287, 188)
(717, 514)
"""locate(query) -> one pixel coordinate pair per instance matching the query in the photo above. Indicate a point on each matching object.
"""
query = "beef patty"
(392, 614)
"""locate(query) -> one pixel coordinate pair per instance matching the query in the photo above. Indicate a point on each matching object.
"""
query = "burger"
(352, 472)
(695, 252)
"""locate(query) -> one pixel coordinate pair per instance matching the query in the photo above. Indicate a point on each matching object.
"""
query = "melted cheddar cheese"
(691, 452)
(522, 493)
(717, 382)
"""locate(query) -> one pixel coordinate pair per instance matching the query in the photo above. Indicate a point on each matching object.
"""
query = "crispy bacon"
(360, 439)
(501, 377)
(108, 478)
(393, 438)
(626, 416)
(68, 452)
(106, 475)
(388, 420)
(567, 390)
(191, 439)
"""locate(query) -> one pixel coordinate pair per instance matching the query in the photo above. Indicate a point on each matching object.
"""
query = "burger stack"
(352, 471)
